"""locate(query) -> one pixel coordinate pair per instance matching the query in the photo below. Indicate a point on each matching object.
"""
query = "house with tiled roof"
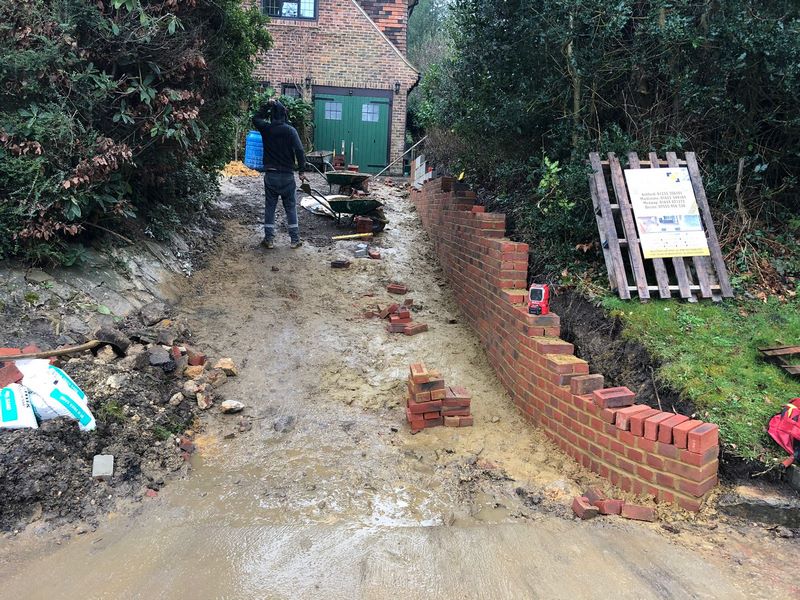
(349, 58)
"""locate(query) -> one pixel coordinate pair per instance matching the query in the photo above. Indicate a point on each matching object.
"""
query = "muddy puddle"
(326, 494)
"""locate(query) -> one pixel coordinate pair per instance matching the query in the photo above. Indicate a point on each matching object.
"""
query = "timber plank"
(629, 227)
(612, 237)
(711, 232)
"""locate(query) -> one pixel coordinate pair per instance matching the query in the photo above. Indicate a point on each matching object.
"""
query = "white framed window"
(333, 111)
(370, 113)
(291, 9)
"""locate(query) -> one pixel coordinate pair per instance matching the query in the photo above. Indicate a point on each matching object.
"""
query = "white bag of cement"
(16, 411)
(55, 394)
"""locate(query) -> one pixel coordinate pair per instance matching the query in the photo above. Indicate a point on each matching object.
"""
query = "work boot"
(268, 243)
(295, 244)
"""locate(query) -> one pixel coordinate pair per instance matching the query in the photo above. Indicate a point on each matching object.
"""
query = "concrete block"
(103, 466)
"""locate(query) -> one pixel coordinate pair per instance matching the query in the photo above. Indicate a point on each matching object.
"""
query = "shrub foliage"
(530, 87)
(114, 108)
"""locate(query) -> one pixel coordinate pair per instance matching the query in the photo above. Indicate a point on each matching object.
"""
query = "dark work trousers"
(280, 185)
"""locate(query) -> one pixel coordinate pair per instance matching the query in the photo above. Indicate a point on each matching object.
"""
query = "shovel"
(103, 337)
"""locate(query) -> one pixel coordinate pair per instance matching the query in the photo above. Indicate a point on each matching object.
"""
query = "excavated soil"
(319, 489)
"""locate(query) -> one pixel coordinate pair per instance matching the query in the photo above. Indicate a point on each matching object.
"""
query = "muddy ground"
(326, 493)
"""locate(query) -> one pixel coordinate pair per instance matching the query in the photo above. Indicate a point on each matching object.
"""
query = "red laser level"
(539, 299)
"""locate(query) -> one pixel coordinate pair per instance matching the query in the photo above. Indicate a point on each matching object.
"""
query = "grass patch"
(709, 353)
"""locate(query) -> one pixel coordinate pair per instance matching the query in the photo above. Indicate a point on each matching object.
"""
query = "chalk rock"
(227, 365)
(231, 406)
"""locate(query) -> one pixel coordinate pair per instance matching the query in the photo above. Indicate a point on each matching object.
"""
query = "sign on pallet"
(666, 213)
(662, 220)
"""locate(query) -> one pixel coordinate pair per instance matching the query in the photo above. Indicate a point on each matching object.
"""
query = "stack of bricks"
(431, 403)
(667, 456)
(400, 320)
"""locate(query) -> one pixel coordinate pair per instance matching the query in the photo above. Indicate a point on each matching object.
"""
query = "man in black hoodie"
(282, 147)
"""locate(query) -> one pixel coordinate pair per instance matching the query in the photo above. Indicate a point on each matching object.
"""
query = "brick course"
(546, 382)
(342, 48)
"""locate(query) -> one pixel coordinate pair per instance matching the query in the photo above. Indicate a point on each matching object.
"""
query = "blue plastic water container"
(254, 151)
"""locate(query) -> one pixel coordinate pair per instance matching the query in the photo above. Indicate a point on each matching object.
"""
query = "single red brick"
(438, 394)
(419, 373)
(9, 373)
(389, 310)
(699, 460)
(418, 408)
(638, 513)
(615, 397)
(450, 421)
(395, 319)
(457, 412)
(680, 434)
(397, 288)
(585, 384)
(419, 396)
(434, 422)
(637, 421)
(583, 509)
(609, 415)
(456, 392)
(415, 329)
(665, 428)
(609, 506)
(465, 421)
(651, 425)
(431, 415)
(396, 327)
(594, 495)
(413, 417)
(9, 351)
(702, 438)
(455, 403)
(623, 420)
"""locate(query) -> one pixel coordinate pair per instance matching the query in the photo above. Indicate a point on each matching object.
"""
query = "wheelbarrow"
(347, 181)
(346, 209)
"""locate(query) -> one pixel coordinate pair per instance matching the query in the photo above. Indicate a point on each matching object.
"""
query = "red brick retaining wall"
(637, 448)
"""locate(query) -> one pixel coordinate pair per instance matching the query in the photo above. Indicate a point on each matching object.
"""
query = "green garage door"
(360, 121)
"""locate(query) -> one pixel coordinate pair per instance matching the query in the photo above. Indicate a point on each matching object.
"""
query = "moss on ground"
(709, 353)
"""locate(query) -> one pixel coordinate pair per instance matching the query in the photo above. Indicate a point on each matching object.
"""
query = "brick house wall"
(391, 17)
(638, 448)
(342, 48)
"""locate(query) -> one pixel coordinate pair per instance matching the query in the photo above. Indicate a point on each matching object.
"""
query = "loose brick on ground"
(9, 373)
(397, 288)
(583, 509)
(638, 513)
(465, 421)
(609, 506)
(451, 421)
(416, 328)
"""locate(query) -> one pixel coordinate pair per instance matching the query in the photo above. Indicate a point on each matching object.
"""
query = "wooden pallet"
(704, 276)
(780, 355)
